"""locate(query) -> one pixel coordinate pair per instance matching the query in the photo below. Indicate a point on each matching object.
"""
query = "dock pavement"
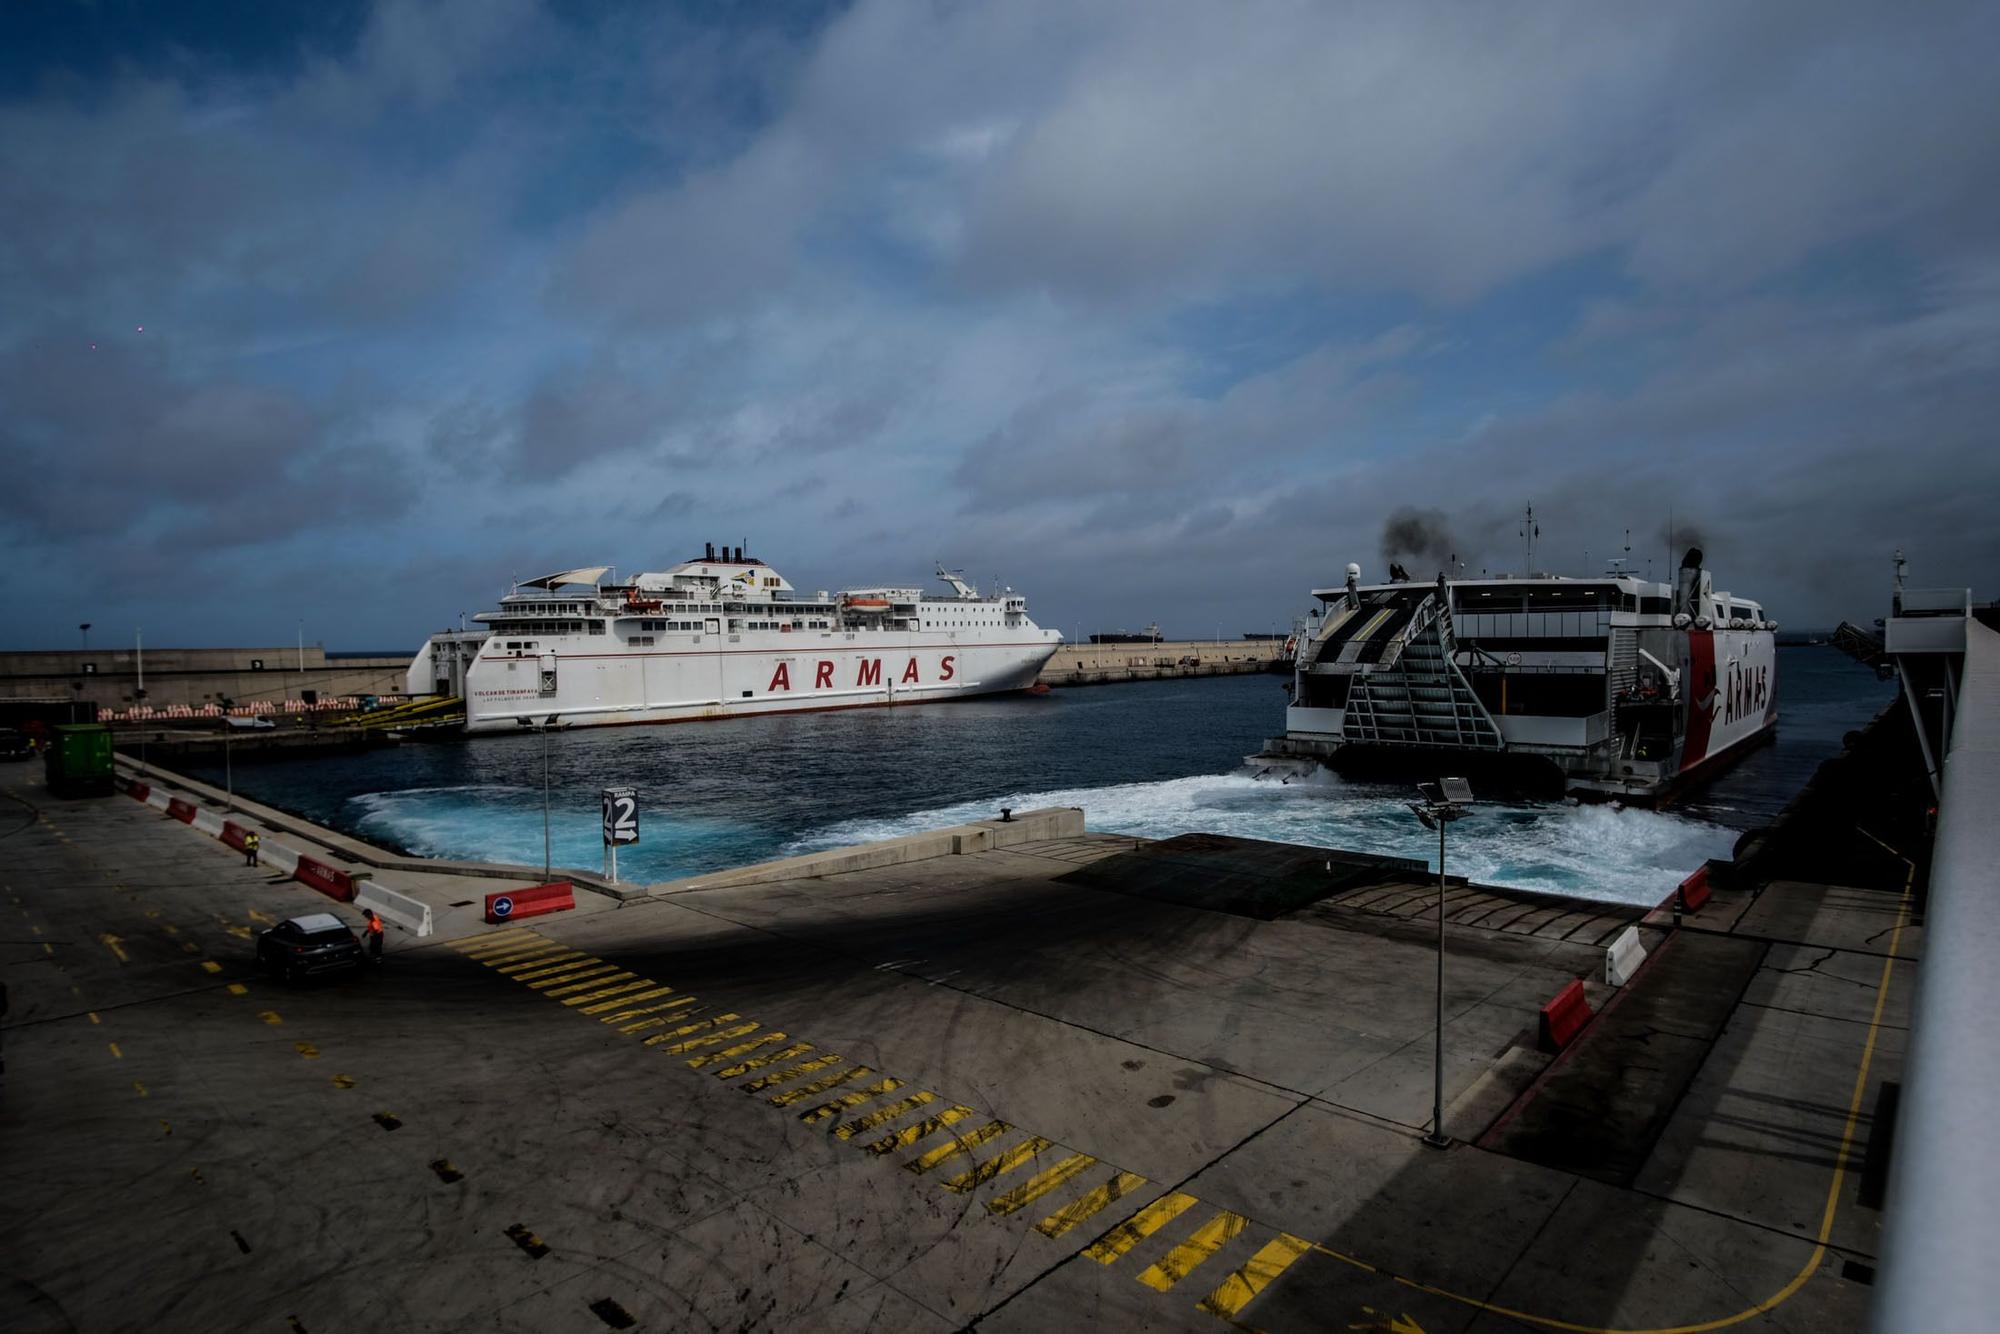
(1076, 1082)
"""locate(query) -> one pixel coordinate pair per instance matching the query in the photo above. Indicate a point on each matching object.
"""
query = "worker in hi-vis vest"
(250, 842)
(374, 936)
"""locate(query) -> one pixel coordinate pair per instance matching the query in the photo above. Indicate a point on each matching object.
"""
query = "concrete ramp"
(1247, 877)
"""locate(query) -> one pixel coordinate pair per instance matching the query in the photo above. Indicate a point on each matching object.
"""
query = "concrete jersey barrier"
(413, 915)
(1623, 957)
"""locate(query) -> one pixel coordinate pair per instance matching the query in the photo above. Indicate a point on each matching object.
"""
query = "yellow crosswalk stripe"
(762, 1082)
(719, 1035)
(998, 1165)
(611, 1013)
(919, 1130)
(804, 1091)
(759, 1062)
(1206, 1240)
(576, 974)
(1235, 1293)
(543, 967)
(1040, 1184)
(534, 958)
(731, 1053)
(602, 979)
(1083, 1209)
(654, 1010)
(685, 1029)
(473, 944)
(889, 1113)
(623, 988)
(965, 1143)
(847, 1100)
(515, 951)
(1138, 1227)
(500, 949)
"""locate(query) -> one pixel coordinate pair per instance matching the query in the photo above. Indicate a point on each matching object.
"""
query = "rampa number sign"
(621, 815)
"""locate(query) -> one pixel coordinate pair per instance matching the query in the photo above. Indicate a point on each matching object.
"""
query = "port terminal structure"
(1012, 1075)
(1944, 1195)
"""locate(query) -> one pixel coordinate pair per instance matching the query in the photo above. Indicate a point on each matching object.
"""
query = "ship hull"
(800, 674)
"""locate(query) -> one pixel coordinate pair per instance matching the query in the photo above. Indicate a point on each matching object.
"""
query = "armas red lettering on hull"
(868, 673)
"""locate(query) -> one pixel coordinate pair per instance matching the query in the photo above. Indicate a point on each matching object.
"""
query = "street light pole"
(1442, 802)
(546, 857)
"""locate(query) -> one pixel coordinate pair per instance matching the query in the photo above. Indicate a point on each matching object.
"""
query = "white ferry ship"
(720, 636)
(1615, 687)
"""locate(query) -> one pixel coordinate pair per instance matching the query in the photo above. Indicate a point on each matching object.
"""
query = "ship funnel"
(1692, 586)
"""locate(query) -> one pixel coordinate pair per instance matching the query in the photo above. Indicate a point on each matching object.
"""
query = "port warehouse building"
(109, 678)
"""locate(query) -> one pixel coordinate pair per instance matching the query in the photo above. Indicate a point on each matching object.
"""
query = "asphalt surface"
(951, 1094)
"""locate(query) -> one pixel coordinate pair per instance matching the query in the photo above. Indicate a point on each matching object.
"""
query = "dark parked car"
(14, 745)
(298, 947)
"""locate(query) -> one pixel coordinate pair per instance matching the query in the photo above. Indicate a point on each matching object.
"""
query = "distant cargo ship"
(722, 635)
(1617, 686)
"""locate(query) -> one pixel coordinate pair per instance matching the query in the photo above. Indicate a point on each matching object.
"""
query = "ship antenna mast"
(1529, 532)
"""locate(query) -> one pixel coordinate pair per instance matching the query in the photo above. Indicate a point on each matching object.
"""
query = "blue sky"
(1156, 311)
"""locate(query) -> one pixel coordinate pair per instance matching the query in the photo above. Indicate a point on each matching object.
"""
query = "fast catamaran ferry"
(1615, 687)
(722, 635)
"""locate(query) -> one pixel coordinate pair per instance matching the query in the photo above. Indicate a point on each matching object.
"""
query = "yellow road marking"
(307, 1050)
(654, 994)
(140, 1089)
(804, 1091)
(36, 929)
(685, 1029)
(998, 1165)
(758, 1062)
(924, 1129)
(616, 977)
(623, 988)
(762, 1082)
(271, 1017)
(1138, 1227)
(210, 966)
(525, 954)
(171, 929)
(513, 945)
(240, 932)
(343, 1081)
(542, 968)
(238, 989)
(719, 1035)
(116, 1054)
(731, 1053)
(1256, 1274)
(886, 1114)
(1206, 1240)
(256, 916)
(1040, 1184)
(847, 1100)
(1811, 1266)
(94, 1019)
(476, 945)
(113, 944)
(594, 969)
(657, 1018)
(965, 1143)
(189, 947)
(538, 956)
(48, 948)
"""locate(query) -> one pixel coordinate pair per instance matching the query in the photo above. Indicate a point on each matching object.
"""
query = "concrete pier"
(1067, 1080)
(1104, 664)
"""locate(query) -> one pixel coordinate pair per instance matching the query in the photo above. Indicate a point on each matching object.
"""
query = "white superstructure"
(720, 636)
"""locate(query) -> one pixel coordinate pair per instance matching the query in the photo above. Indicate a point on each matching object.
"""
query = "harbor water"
(1148, 758)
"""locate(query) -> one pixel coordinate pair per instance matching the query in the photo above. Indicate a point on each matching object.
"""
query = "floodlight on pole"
(1442, 802)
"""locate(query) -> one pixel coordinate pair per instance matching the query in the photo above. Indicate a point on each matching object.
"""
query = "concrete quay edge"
(1034, 826)
(355, 850)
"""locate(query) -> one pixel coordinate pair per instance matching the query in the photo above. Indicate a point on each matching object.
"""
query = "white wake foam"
(1600, 852)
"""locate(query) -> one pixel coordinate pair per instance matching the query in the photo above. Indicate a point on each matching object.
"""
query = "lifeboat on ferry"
(865, 603)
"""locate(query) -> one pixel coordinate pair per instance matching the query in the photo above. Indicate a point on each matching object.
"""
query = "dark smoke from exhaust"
(1680, 535)
(1421, 535)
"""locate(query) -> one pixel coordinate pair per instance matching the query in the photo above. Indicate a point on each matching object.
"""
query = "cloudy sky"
(352, 313)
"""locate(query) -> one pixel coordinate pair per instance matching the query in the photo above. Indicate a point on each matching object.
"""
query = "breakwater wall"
(1104, 664)
(111, 677)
